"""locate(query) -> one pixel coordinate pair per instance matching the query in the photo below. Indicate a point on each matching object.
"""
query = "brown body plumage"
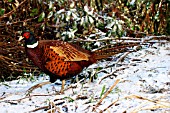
(62, 60)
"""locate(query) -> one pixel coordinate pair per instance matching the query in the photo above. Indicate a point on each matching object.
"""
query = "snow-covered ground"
(143, 85)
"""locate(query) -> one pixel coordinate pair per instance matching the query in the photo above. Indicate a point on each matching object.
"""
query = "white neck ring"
(33, 45)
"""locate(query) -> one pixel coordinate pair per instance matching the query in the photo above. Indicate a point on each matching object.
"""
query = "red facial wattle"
(26, 35)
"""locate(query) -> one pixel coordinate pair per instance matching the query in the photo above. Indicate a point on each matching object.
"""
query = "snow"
(144, 87)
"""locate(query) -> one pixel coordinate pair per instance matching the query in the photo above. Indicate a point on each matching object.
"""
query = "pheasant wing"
(69, 52)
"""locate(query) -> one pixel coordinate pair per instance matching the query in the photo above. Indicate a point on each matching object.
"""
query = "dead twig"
(9, 13)
(143, 98)
(157, 105)
(122, 39)
(113, 103)
(160, 104)
(108, 92)
(20, 99)
(36, 86)
(39, 108)
(52, 108)
(111, 74)
(122, 57)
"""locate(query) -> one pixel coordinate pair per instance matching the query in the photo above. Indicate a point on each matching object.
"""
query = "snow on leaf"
(50, 14)
(110, 25)
(82, 21)
(72, 4)
(60, 11)
(91, 20)
(50, 5)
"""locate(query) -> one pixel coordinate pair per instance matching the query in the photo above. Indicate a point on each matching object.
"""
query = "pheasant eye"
(26, 35)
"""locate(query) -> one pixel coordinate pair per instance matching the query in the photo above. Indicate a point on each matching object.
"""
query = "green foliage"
(74, 17)
(69, 99)
(34, 12)
(117, 90)
(103, 90)
(99, 68)
(41, 17)
(91, 99)
(5, 84)
(30, 77)
(10, 0)
(2, 11)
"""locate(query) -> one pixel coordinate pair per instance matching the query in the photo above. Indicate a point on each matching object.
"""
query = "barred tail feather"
(107, 52)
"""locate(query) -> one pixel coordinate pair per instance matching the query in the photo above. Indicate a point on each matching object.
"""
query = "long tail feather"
(107, 52)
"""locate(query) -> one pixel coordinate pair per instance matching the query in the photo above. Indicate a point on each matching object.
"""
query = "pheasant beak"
(20, 38)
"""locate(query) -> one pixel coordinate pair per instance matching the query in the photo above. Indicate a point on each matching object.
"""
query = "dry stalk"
(111, 74)
(159, 104)
(12, 11)
(108, 92)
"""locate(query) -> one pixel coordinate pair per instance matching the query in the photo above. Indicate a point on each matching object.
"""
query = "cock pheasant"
(62, 60)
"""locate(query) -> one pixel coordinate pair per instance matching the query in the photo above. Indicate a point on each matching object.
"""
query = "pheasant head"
(30, 40)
